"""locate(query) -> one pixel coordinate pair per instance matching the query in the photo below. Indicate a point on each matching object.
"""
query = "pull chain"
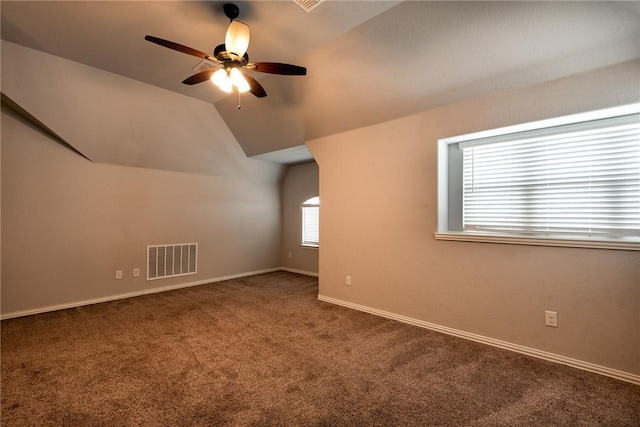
(239, 106)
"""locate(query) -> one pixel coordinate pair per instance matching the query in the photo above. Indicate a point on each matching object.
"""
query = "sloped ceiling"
(112, 119)
(367, 62)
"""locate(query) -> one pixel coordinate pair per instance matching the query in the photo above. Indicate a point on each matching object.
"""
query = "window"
(311, 222)
(574, 181)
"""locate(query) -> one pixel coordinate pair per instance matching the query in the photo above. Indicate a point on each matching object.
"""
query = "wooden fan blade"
(278, 68)
(256, 88)
(199, 77)
(179, 47)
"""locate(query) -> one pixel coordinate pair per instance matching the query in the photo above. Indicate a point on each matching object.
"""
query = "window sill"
(539, 241)
(308, 246)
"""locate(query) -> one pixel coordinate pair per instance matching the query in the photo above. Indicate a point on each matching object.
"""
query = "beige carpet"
(263, 351)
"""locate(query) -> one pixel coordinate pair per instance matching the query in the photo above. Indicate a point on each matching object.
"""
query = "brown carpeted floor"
(263, 351)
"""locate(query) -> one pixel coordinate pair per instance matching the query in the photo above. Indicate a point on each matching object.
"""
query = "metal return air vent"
(165, 261)
(308, 5)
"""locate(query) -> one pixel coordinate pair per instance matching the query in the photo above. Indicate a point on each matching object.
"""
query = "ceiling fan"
(230, 60)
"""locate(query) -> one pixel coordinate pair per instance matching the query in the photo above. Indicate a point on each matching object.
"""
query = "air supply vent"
(308, 5)
(204, 65)
(165, 261)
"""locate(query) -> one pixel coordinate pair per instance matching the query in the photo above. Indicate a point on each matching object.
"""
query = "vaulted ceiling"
(367, 61)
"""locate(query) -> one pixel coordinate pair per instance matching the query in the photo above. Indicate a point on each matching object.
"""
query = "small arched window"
(311, 222)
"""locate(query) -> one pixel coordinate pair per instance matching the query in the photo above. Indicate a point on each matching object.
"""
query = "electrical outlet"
(118, 274)
(290, 255)
(348, 281)
(551, 318)
(136, 272)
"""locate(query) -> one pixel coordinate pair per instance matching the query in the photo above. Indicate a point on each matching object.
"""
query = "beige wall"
(379, 193)
(68, 224)
(167, 170)
(299, 184)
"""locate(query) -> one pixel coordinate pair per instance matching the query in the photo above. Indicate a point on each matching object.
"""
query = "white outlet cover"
(551, 318)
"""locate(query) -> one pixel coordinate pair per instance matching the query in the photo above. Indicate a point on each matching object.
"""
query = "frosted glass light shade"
(237, 39)
(226, 79)
(222, 80)
(239, 81)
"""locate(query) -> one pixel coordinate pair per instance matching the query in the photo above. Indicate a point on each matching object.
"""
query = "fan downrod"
(231, 11)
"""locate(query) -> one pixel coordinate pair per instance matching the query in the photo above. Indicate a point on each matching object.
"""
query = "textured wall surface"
(299, 184)
(165, 170)
(499, 291)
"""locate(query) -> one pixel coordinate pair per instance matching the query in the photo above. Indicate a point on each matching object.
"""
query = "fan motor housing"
(220, 53)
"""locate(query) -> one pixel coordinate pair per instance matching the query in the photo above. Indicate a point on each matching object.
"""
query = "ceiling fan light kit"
(222, 80)
(231, 60)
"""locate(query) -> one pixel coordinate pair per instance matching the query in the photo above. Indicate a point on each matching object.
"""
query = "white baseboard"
(131, 294)
(602, 370)
(293, 270)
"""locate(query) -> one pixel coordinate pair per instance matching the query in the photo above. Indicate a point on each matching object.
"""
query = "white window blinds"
(311, 222)
(580, 180)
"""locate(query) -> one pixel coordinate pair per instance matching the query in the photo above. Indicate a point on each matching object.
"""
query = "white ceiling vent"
(308, 5)
(203, 66)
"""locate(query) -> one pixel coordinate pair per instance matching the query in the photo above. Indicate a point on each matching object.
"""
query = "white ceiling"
(367, 61)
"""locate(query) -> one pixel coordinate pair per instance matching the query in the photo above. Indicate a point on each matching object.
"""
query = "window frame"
(450, 202)
(310, 204)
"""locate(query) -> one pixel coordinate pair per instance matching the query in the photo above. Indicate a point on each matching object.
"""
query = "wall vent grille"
(308, 5)
(164, 261)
